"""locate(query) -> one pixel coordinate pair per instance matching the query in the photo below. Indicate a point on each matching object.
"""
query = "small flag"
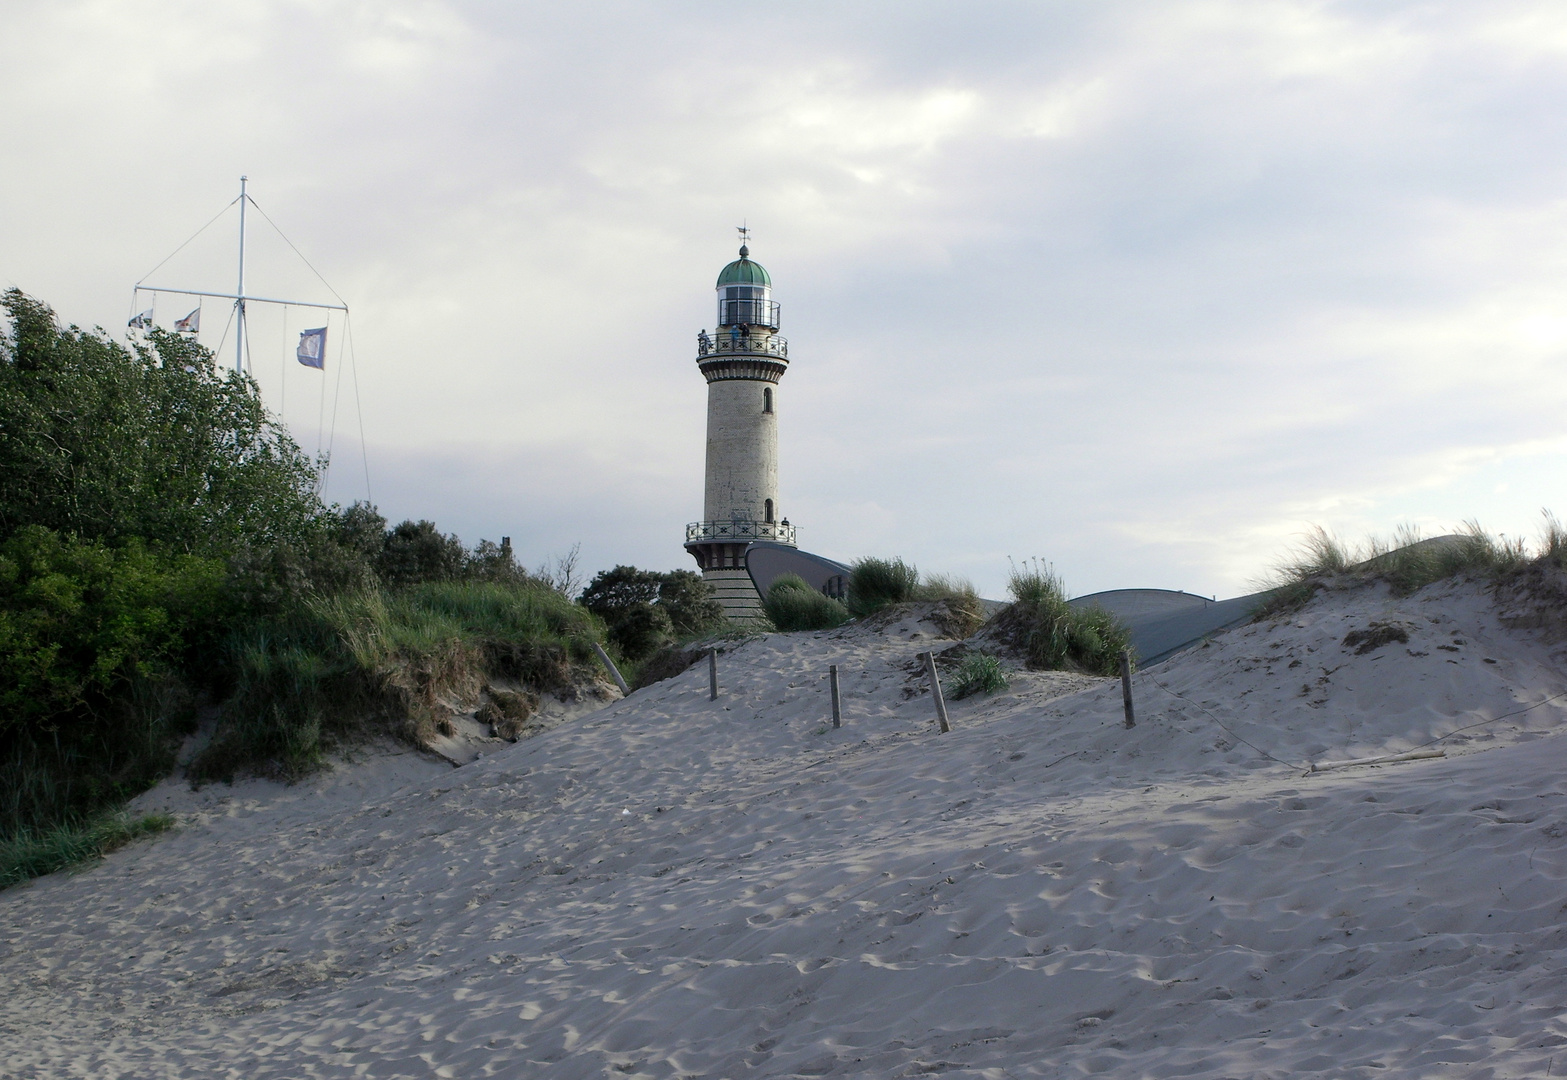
(142, 321)
(312, 348)
(190, 324)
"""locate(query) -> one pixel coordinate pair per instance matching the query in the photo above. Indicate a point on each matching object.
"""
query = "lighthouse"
(743, 360)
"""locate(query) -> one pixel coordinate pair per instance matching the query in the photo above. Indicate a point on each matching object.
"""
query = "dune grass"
(791, 604)
(32, 853)
(1057, 636)
(379, 661)
(1406, 561)
(877, 583)
(978, 673)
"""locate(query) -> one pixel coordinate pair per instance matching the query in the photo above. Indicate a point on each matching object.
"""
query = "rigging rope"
(301, 254)
(1307, 767)
(282, 364)
(182, 247)
(337, 397)
(245, 325)
(232, 309)
(1221, 723)
(348, 331)
(1494, 719)
(321, 401)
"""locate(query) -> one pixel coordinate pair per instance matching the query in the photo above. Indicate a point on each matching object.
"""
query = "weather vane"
(745, 234)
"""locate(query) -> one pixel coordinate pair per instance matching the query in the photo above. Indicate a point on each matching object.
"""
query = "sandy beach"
(678, 887)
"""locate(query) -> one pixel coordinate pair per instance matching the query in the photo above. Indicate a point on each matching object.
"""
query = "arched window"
(767, 402)
(769, 511)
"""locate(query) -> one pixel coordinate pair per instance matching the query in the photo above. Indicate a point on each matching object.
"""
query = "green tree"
(416, 551)
(107, 442)
(643, 609)
(690, 604)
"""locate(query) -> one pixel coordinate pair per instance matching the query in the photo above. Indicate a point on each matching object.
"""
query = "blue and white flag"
(142, 321)
(312, 348)
(190, 324)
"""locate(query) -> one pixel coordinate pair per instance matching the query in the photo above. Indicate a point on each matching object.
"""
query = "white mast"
(239, 336)
(241, 300)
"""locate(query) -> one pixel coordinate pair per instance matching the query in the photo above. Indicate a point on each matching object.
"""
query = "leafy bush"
(638, 631)
(1056, 635)
(876, 583)
(80, 621)
(689, 602)
(979, 673)
(92, 641)
(791, 604)
(645, 609)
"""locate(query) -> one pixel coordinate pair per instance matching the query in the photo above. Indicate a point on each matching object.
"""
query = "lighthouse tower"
(742, 362)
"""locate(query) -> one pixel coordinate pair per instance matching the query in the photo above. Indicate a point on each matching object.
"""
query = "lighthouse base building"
(743, 361)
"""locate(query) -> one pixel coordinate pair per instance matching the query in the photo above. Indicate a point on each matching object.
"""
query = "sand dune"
(673, 887)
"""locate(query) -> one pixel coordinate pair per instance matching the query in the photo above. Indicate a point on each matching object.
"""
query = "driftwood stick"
(1126, 687)
(1385, 759)
(613, 670)
(935, 692)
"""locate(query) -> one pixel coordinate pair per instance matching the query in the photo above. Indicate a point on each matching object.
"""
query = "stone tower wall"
(742, 451)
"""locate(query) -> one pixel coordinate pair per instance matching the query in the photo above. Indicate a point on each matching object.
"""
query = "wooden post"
(935, 692)
(613, 670)
(837, 703)
(712, 673)
(1126, 687)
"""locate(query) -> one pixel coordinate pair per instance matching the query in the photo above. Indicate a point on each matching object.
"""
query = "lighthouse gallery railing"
(723, 343)
(739, 532)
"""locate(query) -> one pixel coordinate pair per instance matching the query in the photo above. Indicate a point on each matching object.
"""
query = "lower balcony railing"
(725, 343)
(739, 532)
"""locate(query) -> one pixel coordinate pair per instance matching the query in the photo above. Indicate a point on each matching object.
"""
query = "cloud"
(1143, 289)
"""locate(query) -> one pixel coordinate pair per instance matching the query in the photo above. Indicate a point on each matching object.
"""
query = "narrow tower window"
(767, 399)
(769, 506)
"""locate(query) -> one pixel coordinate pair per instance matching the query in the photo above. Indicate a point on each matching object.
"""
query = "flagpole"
(239, 300)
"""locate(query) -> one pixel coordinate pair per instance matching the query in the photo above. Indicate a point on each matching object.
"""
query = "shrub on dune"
(791, 604)
(877, 583)
(1056, 635)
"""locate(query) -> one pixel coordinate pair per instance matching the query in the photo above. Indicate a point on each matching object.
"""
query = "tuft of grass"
(1553, 540)
(32, 853)
(791, 604)
(1035, 582)
(1407, 561)
(878, 583)
(979, 673)
(959, 610)
(1054, 634)
(945, 587)
(377, 660)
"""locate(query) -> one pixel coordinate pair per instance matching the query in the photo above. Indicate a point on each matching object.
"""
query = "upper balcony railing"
(739, 532)
(748, 312)
(735, 342)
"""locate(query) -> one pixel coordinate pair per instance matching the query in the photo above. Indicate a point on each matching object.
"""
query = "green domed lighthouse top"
(744, 272)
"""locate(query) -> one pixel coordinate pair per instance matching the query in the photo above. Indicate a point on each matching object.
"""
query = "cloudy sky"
(1144, 289)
